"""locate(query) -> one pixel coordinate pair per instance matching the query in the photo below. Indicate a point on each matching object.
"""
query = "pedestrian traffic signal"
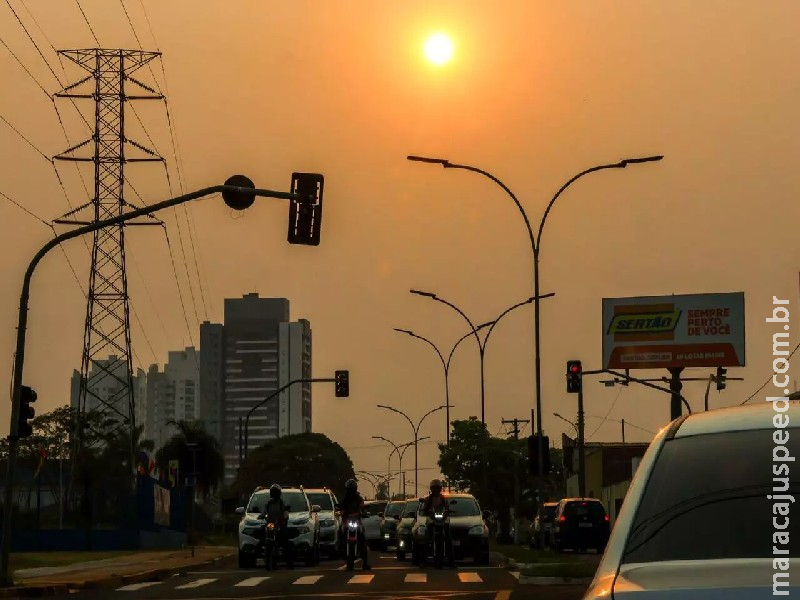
(26, 412)
(720, 378)
(342, 379)
(533, 455)
(574, 375)
(305, 213)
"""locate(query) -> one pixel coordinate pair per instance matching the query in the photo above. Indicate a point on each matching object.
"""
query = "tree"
(382, 495)
(210, 462)
(308, 459)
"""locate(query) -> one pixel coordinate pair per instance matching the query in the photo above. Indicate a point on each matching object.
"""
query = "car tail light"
(606, 519)
(563, 518)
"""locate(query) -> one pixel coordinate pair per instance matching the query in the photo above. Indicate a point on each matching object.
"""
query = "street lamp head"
(421, 293)
(633, 161)
(407, 331)
(487, 324)
(436, 161)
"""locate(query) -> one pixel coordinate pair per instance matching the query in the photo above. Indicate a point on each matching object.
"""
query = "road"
(387, 580)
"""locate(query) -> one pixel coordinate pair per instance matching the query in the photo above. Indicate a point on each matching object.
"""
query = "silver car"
(707, 513)
(372, 523)
(329, 520)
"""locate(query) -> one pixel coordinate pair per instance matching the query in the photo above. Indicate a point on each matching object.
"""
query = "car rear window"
(410, 508)
(394, 508)
(707, 499)
(549, 513)
(585, 508)
(375, 508)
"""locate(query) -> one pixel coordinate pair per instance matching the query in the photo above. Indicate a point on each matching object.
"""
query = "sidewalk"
(136, 567)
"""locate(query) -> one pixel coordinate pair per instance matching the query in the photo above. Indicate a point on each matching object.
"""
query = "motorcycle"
(351, 541)
(271, 546)
(439, 522)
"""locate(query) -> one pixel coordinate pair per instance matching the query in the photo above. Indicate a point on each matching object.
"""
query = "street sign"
(655, 332)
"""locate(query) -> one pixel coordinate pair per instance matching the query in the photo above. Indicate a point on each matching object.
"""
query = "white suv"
(329, 519)
(303, 528)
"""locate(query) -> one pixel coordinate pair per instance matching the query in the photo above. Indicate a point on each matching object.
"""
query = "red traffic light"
(575, 369)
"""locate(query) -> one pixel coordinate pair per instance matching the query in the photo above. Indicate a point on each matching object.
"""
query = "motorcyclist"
(352, 507)
(436, 500)
(277, 512)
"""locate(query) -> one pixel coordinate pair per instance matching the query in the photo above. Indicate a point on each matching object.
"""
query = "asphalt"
(388, 579)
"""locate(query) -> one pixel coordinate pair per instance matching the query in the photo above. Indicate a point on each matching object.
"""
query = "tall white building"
(250, 357)
(107, 378)
(172, 395)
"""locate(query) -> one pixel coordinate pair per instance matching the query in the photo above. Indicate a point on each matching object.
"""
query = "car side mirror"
(316, 508)
(487, 515)
(240, 510)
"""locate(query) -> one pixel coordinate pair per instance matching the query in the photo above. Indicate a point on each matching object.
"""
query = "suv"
(468, 530)
(303, 527)
(329, 519)
(372, 522)
(542, 526)
(581, 523)
(389, 522)
(404, 541)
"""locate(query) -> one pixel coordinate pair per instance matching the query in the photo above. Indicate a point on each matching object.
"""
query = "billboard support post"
(675, 386)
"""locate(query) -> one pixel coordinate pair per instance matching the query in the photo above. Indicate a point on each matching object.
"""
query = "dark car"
(404, 539)
(581, 523)
(389, 522)
(542, 526)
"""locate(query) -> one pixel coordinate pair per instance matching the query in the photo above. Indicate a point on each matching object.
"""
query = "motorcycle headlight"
(352, 524)
(476, 530)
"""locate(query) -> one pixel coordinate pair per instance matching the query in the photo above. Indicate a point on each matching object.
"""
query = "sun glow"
(439, 49)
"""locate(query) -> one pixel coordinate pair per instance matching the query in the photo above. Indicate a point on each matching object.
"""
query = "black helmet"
(436, 486)
(275, 491)
(351, 485)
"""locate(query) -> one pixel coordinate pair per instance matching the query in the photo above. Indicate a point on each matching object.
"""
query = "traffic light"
(305, 214)
(574, 371)
(533, 455)
(26, 412)
(720, 378)
(342, 384)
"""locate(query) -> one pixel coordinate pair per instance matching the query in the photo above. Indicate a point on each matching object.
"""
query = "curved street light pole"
(389, 466)
(415, 428)
(535, 248)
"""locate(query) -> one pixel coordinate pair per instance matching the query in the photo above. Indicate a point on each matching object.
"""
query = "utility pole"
(581, 443)
(623, 430)
(106, 362)
(515, 432)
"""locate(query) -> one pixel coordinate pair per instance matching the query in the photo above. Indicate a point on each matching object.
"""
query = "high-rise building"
(107, 379)
(255, 352)
(172, 395)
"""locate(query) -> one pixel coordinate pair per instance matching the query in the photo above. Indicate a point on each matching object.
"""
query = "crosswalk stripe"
(416, 578)
(135, 587)
(195, 584)
(469, 578)
(251, 581)
(361, 578)
(308, 580)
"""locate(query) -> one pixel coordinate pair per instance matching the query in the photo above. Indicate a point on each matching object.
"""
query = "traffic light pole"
(581, 443)
(19, 355)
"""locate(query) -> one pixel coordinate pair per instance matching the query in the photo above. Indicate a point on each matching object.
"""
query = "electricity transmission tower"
(106, 376)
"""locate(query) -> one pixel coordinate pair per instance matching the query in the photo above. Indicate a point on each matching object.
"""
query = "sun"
(438, 49)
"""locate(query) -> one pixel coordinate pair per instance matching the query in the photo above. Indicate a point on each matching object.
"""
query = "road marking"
(135, 587)
(469, 578)
(361, 578)
(251, 581)
(416, 578)
(515, 574)
(308, 579)
(195, 584)
(503, 595)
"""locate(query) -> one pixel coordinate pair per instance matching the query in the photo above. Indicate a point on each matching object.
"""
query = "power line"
(86, 20)
(39, 27)
(20, 134)
(135, 35)
(21, 207)
(35, 45)
(608, 413)
(26, 69)
(177, 281)
(763, 385)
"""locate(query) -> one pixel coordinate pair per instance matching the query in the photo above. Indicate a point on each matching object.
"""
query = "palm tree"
(210, 463)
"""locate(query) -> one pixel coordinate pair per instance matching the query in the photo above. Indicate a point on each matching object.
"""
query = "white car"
(329, 520)
(372, 522)
(303, 528)
(706, 515)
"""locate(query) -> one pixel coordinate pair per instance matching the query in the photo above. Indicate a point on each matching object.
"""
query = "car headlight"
(476, 530)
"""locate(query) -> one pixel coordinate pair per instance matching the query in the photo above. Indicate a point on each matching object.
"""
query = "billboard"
(655, 332)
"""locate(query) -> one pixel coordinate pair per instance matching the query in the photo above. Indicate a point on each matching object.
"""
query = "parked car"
(389, 522)
(706, 509)
(579, 524)
(404, 537)
(303, 527)
(372, 523)
(542, 526)
(468, 530)
(329, 520)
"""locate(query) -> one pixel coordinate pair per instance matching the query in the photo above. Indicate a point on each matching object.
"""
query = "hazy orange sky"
(535, 93)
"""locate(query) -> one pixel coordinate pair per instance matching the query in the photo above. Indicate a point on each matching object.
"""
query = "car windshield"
(322, 499)
(373, 509)
(580, 509)
(294, 500)
(549, 513)
(410, 508)
(393, 509)
(706, 498)
(464, 507)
